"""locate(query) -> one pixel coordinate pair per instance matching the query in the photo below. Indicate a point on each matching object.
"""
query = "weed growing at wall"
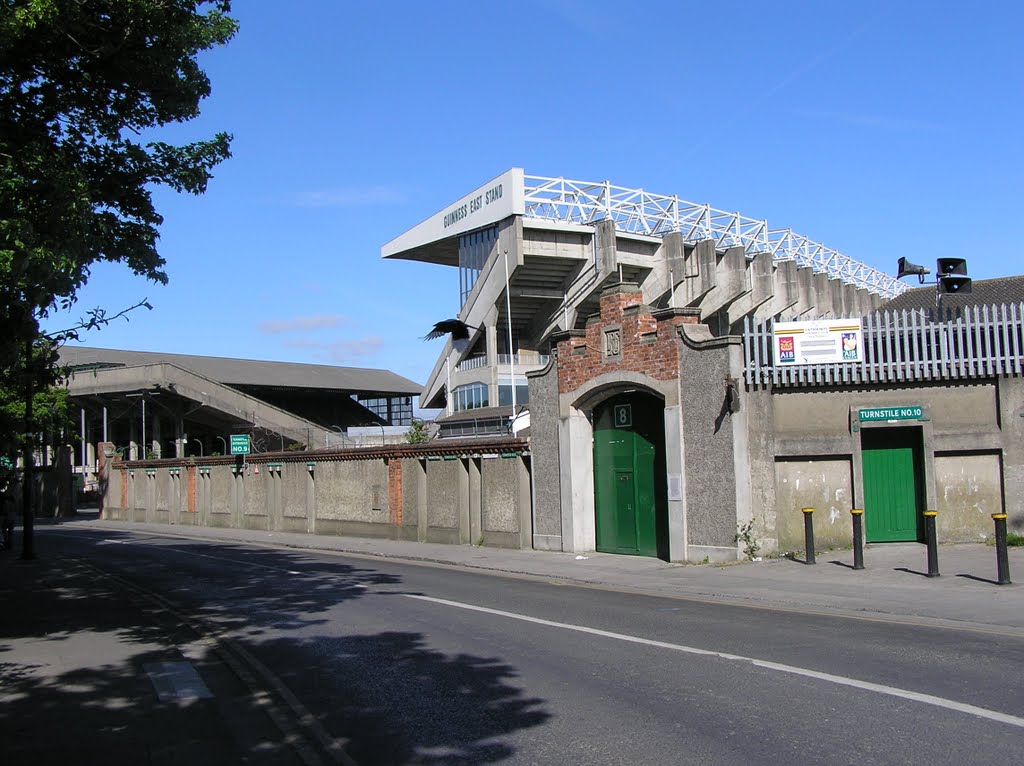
(745, 535)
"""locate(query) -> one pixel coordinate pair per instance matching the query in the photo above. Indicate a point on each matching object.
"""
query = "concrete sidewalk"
(892, 586)
(93, 672)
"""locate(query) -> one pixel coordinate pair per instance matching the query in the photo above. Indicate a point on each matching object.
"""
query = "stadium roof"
(249, 372)
(559, 201)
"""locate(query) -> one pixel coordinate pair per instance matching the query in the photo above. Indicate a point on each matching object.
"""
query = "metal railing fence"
(903, 346)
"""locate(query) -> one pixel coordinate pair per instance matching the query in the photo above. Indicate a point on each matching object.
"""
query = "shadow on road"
(398, 701)
(74, 643)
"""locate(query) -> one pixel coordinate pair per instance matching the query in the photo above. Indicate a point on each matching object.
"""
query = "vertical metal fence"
(904, 346)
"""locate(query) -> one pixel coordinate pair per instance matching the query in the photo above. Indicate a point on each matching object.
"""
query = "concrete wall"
(668, 354)
(547, 513)
(805, 451)
(824, 485)
(971, 491)
(1010, 401)
(438, 493)
(711, 444)
(53, 492)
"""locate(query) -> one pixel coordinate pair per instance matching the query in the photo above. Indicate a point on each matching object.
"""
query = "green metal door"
(629, 476)
(891, 458)
(626, 528)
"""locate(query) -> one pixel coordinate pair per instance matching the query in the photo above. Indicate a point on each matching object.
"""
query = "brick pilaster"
(648, 340)
(395, 491)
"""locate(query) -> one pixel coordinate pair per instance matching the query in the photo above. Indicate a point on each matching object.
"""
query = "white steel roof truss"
(636, 211)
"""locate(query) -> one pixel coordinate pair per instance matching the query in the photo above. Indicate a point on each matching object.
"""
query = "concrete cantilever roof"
(209, 394)
(250, 372)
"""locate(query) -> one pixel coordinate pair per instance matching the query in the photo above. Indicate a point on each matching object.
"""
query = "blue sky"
(882, 129)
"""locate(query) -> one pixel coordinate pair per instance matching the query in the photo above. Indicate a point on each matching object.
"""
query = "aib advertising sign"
(823, 341)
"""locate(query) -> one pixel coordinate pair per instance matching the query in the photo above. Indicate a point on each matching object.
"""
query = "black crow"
(458, 330)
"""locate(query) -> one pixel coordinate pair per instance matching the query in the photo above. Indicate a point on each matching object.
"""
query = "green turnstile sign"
(239, 444)
(873, 414)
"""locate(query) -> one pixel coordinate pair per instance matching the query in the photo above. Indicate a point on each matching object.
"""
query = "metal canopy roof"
(250, 372)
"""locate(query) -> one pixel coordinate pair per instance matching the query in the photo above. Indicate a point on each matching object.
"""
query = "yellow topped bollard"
(858, 537)
(933, 544)
(808, 535)
(1002, 560)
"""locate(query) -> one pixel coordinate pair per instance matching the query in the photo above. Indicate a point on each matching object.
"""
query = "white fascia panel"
(495, 201)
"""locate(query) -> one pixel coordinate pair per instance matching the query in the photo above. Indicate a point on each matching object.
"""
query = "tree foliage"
(85, 86)
(81, 82)
(418, 433)
(50, 401)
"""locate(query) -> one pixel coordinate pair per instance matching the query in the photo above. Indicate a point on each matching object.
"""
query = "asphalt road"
(393, 663)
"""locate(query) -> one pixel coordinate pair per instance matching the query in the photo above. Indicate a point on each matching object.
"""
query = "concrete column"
(155, 436)
(475, 511)
(492, 361)
(674, 467)
(131, 491)
(805, 303)
(707, 263)
(311, 500)
(605, 248)
(133, 440)
(180, 438)
(190, 491)
(421, 502)
(237, 498)
(524, 499)
(576, 461)
(823, 305)
(464, 505)
(1011, 412)
(675, 253)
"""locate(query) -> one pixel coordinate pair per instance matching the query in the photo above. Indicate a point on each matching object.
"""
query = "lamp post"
(511, 352)
(341, 431)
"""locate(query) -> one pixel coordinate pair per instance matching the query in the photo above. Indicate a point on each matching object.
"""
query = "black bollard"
(933, 546)
(808, 535)
(1002, 561)
(858, 537)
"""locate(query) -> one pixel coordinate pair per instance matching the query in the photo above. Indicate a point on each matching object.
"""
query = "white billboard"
(818, 341)
(492, 202)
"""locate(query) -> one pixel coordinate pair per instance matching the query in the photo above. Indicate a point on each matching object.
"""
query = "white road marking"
(892, 691)
(233, 561)
(176, 681)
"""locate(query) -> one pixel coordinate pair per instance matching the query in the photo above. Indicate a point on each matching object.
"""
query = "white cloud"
(302, 324)
(349, 197)
(341, 351)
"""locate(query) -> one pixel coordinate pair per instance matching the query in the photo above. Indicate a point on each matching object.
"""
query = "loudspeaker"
(908, 269)
(952, 266)
(954, 283)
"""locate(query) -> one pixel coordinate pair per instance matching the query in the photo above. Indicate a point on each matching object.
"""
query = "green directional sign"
(874, 414)
(240, 444)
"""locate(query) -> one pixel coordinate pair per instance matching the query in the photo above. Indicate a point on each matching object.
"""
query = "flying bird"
(457, 329)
